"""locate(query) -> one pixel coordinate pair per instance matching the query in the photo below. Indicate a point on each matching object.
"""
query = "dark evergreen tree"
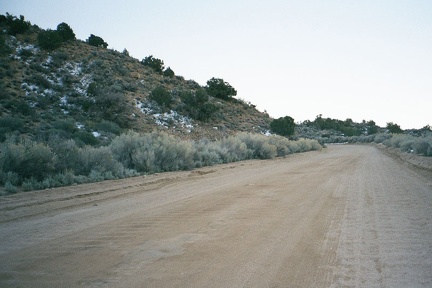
(372, 128)
(394, 128)
(4, 48)
(154, 63)
(162, 97)
(49, 39)
(65, 32)
(16, 25)
(218, 88)
(197, 105)
(169, 72)
(97, 41)
(283, 126)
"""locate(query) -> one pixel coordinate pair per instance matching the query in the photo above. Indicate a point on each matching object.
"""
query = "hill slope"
(53, 92)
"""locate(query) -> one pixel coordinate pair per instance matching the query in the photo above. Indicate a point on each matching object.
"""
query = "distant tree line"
(347, 127)
(14, 24)
(53, 39)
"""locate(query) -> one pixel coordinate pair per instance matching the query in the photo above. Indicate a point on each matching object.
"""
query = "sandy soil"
(348, 216)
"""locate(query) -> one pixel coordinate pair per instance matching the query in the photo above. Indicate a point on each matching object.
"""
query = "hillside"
(52, 92)
(74, 112)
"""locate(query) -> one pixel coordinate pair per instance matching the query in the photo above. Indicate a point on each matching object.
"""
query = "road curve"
(347, 216)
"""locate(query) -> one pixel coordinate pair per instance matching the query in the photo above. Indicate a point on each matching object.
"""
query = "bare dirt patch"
(346, 216)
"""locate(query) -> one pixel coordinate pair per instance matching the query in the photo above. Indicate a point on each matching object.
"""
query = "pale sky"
(358, 59)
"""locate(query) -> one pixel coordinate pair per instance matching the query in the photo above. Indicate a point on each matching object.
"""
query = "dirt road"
(347, 216)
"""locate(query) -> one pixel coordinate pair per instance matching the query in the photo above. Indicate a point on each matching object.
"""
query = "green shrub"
(16, 25)
(67, 177)
(259, 145)
(9, 188)
(218, 88)
(97, 41)
(381, 137)
(111, 106)
(87, 138)
(99, 159)
(124, 146)
(162, 152)
(67, 125)
(234, 149)
(96, 176)
(11, 177)
(197, 104)
(162, 97)
(394, 128)
(59, 58)
(282, 145)
(40, 80)
(156, 64)
(23, 108)
(27, 185)
(423, 146)
(92, 89)
(4, 48)
(8, 125)
(283, 126)
(207, 153)
(49, 39)
(27, 158)
(108, 126)
(25, 53)
(168, 72)
(65, 31)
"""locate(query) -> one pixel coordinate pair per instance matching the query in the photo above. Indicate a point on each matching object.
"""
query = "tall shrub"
(65, 32)
(218, 88)
(49, 39)
(27, 158)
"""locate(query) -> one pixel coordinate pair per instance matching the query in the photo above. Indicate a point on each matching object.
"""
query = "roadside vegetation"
(33, 165)
(327, 130)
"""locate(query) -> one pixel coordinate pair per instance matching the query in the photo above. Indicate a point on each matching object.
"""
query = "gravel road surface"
(346, 216)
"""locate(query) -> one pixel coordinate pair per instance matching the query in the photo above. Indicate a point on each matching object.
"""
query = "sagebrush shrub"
(233, 149)
(27, 158)
(124, 147)
(282, 145)
(98, 159)
(10, 188)
(423, 146)
(259, 145)
(62, 162)
(207, 154)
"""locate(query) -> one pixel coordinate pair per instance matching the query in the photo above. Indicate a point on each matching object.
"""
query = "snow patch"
(85, 82)
(30, 47)
(48, 61)
(145, 108)
(166, 119)
(73, 68)
(64, 101)
(96, 134)
(48, 92)
(29, 88)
